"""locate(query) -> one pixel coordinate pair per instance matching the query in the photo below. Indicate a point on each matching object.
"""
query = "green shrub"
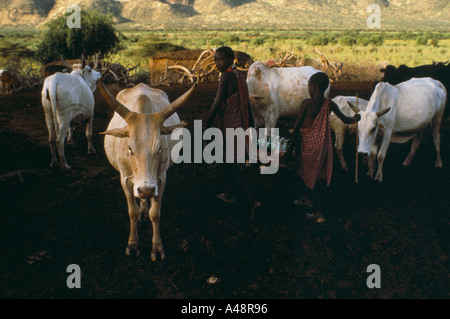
(258, 41)
(421, 40)
(347, 40)
(96, 34)
(366, 39)
(321, 39)
(216, 42)
(231, 39)
(434, 42)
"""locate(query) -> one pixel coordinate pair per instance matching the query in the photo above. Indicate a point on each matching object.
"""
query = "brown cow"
(7, 80)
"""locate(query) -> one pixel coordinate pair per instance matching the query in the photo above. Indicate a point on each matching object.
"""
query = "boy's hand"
(356, 117)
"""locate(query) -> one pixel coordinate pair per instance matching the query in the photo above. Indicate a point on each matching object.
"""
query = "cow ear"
(118, 132)
(381, 113)
(170, 128)
(383, 70)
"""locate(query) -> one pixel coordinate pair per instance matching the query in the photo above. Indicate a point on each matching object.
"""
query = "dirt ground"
(51, 219)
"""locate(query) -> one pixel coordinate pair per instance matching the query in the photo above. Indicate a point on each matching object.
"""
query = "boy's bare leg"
(227, 196)
(317, 216)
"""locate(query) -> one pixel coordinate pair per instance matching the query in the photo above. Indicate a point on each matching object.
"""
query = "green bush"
(434, 42)
(366, 39)
(216, 43)
(421, 40)
(321, 39)
(258, 41)
(97, 34)
(347, 40)
(231, 39)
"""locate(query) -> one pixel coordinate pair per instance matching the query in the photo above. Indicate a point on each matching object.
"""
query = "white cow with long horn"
(402, 112)
(138, 145)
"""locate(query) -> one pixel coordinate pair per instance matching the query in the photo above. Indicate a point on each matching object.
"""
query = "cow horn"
(353, 107)
(83, 61)
(65, 63)
(175, 105)
(381, 113)
(121, 109)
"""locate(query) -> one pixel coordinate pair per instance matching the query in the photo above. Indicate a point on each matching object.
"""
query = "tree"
(96, 34)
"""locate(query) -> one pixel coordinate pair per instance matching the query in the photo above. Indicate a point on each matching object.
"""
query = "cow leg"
(435, 128)
(134, 214)
(51, 140)
(338, 146)
(91, 149)
(70, 139)
(155, 214)
(60, 140)
(414, 146)
(382, 155)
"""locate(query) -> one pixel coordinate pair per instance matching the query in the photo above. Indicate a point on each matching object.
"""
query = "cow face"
(368, 128)
(146, 149)
(91, 77)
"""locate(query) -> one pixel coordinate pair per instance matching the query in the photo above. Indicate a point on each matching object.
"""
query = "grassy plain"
(356, 48)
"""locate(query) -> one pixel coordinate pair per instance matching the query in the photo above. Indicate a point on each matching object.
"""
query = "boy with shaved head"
(233, 110)
(315, 158)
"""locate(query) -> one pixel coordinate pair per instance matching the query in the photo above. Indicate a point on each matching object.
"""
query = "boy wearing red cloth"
(233, 109)
(315, 159)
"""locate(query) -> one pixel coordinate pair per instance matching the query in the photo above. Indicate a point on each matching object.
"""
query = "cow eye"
(130, 151)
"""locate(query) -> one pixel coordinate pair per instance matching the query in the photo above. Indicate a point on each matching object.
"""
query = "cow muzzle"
(146, 191)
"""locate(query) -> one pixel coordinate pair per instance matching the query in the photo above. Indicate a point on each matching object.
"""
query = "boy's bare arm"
(297, 126)
(221, 97)
(342, 116)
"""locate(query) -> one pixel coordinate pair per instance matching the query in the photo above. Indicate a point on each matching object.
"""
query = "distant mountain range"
(240, 14)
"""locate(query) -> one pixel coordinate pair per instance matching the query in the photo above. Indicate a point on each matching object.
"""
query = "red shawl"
(316, 160)
(236, 112)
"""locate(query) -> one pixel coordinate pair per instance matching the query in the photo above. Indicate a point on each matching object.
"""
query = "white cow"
(277, 92)
(340, 128)
(402, 112)
(66, 98)
(138, 145)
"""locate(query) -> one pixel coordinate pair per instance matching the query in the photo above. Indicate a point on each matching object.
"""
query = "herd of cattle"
(137, 142)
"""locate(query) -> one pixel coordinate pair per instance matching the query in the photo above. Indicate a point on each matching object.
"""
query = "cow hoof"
(91, 152)
(158, 248)
(132, 249)
(162, 253)
(406, 164)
